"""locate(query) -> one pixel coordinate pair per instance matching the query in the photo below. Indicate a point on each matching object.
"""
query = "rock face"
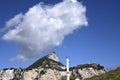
(49, 68)
(53, 56)
(87, 70)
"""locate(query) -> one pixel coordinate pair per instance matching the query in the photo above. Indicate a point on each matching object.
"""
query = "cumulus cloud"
(43, 27)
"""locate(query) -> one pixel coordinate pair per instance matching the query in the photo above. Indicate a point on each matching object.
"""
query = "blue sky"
(99, 42)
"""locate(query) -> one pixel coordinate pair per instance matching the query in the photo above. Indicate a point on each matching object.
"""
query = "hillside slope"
(111, 75)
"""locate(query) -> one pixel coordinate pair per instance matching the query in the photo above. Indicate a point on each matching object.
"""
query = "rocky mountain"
(49, 68)
(49, 61)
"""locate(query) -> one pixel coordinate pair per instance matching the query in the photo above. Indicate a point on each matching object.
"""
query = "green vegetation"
(93, 65)
(15, 79)
(72, 77)
(111, 75)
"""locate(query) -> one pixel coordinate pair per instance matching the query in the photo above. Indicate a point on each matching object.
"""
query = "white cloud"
(43, 27)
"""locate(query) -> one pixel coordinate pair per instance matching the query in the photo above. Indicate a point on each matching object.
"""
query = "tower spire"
(67, 70)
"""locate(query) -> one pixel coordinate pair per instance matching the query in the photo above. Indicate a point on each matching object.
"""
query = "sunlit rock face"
(49, 68)
(53, 56)
(51, 75)
(30, 75)
(11, 73)
(6, 74)
(86, 72)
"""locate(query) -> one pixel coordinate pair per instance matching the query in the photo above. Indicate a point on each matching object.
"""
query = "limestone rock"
(53, 56)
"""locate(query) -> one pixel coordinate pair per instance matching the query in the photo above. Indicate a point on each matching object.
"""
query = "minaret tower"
(67, 65)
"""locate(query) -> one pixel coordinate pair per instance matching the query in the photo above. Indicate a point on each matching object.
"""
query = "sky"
(86, 31)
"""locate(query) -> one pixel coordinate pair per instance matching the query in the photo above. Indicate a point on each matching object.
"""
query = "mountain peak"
(49, 61)
(53, 56)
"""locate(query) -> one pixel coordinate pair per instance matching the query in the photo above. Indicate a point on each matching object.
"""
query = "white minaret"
(67, 65)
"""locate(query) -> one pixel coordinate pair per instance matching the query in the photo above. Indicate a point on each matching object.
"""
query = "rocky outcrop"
(53, 56)
(11, 73)
(49, 68)
(87, 71)
(6, 74)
